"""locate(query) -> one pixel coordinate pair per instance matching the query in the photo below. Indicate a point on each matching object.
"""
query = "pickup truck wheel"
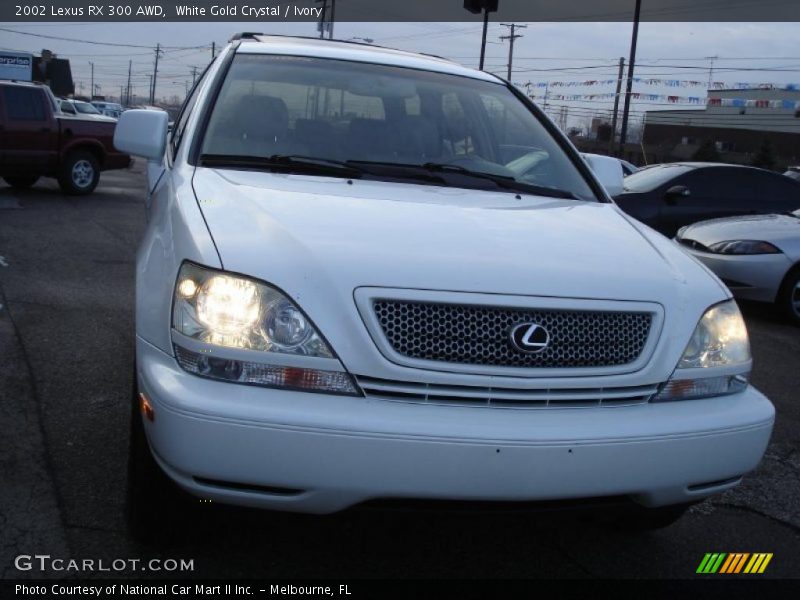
(79, 173)
(21, 181)
(154, 505)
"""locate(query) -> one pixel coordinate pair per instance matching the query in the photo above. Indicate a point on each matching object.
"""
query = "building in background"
(736, 124)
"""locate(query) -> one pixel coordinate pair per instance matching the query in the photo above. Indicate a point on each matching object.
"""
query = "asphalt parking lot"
(66, 351)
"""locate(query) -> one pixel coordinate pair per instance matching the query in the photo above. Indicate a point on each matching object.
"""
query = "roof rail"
(244, 35)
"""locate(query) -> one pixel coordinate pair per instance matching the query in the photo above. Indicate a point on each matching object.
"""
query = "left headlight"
(245, 331)
(716, 360)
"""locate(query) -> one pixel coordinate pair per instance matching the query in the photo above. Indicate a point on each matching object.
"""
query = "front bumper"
(757, 277)
(316, 453)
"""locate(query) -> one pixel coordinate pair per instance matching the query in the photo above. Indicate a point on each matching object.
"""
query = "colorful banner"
(671, 99)
(677, 83)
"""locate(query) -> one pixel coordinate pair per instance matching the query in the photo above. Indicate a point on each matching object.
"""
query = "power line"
(77, 41)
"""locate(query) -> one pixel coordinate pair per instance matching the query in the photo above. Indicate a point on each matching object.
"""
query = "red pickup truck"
(38, 140)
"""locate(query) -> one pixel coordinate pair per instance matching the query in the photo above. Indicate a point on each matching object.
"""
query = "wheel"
(79, 173)
(639, 518)
(153, 503)
(789, 296)
(21, 181)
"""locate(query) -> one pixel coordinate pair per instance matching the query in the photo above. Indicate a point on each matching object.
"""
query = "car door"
(30, 133)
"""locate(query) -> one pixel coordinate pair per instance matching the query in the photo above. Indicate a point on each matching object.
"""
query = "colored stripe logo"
(734, 563)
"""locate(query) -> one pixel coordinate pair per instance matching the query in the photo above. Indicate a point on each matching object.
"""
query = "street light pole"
(475, 7)
(91, 89)
(483, 39)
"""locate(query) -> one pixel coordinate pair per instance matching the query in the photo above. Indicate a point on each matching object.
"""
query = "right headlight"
(238, 329)
(716, 360)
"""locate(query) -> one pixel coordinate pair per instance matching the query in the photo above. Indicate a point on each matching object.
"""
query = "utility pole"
(711, 69)
(613, 138)
(511, 37)
(128, 92)
(194, 74)
(155, 75)
(213, 50)
(623, 134)
(91, 89)
(483, 39)
(333, 19)
(150, 88)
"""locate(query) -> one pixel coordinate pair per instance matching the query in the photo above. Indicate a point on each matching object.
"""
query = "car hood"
(769, 228)
(311, 234)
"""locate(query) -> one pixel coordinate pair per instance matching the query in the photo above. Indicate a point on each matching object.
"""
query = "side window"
(705, 184)
(179, 126)
(24, 104)
(778, 191)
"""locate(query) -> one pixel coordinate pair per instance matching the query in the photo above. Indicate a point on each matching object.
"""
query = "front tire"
(789, 296)
(79, 173)
(153, 502)
(21, 182)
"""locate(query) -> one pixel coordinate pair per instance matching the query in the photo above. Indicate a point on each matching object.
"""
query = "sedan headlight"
(226, 313)
(716, 360)
(743, 247)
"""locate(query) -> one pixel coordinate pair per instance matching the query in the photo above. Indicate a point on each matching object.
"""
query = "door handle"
(45, 130)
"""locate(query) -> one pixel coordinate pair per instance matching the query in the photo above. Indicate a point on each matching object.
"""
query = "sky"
(547, 52)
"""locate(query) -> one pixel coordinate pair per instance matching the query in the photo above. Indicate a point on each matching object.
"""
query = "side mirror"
(608, 171)
(676, 191)
(142, 133)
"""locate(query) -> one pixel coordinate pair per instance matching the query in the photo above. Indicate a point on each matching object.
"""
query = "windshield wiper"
(434, 171)
(292, 163)
(504, 181)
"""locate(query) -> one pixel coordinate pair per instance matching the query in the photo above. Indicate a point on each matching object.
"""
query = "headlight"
(720, 347)
(743, 247)
(720, 339)
(235, 316)
(237, 312)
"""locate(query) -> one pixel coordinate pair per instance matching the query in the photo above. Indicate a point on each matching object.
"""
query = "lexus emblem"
(529, 337)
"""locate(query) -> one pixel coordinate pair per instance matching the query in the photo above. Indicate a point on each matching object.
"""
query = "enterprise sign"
(15, 65)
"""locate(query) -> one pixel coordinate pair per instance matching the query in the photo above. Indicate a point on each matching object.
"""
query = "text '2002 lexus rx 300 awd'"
(345, 292)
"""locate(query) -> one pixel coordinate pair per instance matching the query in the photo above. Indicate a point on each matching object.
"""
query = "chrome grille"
(458, 395)
(479, 335)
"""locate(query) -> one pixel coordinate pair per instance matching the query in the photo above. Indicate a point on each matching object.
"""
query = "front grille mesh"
(479, 335)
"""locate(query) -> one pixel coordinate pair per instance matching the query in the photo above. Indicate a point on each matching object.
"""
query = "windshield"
(86, 108)
(646, 180)
(348, 111)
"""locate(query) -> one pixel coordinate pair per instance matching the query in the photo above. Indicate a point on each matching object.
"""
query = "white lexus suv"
(369, 274)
